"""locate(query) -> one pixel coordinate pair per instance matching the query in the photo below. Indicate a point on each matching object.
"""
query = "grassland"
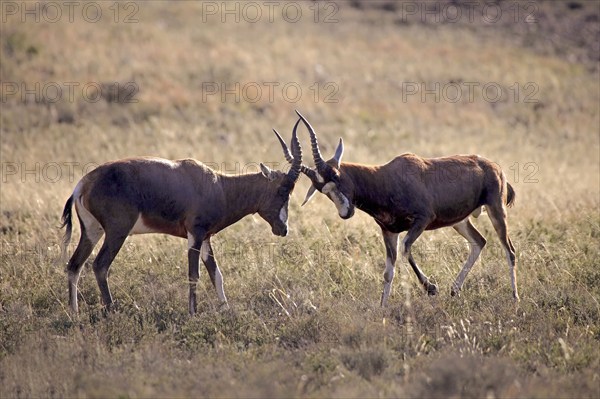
(305, 319)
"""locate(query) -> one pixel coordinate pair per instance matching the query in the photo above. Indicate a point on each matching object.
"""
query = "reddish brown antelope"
(183, 198)
(415, 194)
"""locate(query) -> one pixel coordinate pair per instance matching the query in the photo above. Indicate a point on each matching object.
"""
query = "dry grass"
(305, 319)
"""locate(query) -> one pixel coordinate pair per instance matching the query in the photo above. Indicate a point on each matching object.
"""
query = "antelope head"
(275, 208)
(326, 177)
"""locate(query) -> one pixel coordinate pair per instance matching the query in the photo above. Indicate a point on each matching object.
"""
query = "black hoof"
(111, 308)
(432, 290)
(453, 292)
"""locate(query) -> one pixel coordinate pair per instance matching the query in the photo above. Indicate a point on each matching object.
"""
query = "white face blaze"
(283, 215)
(340, 200)
(320, 178)
(327, 188)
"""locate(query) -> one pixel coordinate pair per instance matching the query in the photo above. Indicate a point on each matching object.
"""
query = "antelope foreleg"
(194, 245)
(391, 249)
(208, 258)
(411, 236)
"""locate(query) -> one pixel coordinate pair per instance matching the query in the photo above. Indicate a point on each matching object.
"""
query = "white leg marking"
(513, 275)
(73, 279)
(191, 240)
(205, 254)
(219, 285)
(498, 226)
(388, 277)
(403, 250)
(462, 229)
(204, 250)
(510, 264)
(93, 231)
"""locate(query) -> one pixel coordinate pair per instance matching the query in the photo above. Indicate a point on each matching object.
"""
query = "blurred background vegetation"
(209, 80)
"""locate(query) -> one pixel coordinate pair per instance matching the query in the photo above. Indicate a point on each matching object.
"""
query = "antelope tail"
(510, 198)
(67, 221)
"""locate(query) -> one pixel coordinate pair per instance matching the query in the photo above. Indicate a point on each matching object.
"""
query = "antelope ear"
(267, 172)
(309, 194)
(339, 152)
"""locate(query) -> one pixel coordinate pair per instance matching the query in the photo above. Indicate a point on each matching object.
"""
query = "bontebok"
(415, 194)
(183, 198)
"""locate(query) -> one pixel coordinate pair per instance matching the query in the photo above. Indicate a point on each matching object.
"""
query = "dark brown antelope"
(183, 198)
(415, 194)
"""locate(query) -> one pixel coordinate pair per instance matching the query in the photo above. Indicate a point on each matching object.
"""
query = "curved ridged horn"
(311, 191)
(319, 162)
(294, 172)
(286, 152)
(288, 156)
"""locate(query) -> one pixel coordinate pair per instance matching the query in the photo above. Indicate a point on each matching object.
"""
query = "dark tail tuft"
(67, 220)
(510, 198)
